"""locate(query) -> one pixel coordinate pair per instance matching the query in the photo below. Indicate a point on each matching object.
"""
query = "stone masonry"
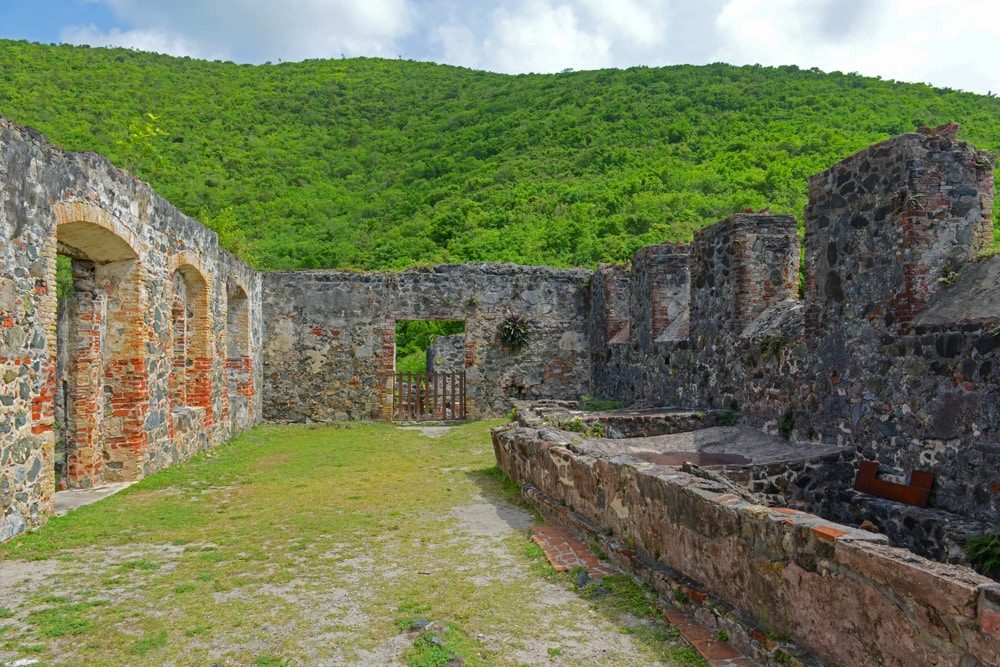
(330, 349)
(764, 576)
(892, 349)
(159, 341)
(446, 354)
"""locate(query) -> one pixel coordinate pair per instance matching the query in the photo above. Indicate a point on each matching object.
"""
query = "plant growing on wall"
(983, 552)
(515, 332)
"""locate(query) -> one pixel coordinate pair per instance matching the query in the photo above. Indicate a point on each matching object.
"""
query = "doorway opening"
(429, 370)
(102, 395)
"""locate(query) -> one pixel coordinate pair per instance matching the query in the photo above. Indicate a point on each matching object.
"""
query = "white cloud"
(541, 37)
(142, 40)
(551, 35)
(459, 46)
(256, 30)
(631, 23)
(908, 40)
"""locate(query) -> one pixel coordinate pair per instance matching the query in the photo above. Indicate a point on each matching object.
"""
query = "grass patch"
(290, 533)
(138, 565)
(436, 649)
(149, 643)
(64, 618)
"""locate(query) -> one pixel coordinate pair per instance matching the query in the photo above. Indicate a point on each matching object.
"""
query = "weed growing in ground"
(149, 643)
(638, 605)
(63, 618)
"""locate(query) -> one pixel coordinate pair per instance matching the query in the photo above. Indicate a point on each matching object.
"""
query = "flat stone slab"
(718, 445)
(67, 501)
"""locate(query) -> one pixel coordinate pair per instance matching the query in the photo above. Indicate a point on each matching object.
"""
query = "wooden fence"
(429, 397)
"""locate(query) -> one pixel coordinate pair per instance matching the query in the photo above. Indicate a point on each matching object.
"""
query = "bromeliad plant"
(515, 332)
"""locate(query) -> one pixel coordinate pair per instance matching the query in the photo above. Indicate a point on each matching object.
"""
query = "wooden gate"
(429, 397)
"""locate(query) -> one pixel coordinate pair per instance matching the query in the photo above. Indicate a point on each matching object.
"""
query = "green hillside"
(382, 164)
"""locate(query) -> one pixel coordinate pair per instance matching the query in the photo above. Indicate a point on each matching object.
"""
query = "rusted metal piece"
(916, 493)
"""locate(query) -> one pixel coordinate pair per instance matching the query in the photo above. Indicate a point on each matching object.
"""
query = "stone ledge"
(838, 591)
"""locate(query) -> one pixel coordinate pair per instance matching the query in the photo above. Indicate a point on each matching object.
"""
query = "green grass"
(345, 534)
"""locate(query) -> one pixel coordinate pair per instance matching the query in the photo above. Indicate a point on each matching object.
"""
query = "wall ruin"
(158, 352)
(891, 349)
(762, 575)
(330, 349)
(446, 354)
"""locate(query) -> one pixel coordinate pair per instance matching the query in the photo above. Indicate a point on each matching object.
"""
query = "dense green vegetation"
(413, 337)
(382, 164)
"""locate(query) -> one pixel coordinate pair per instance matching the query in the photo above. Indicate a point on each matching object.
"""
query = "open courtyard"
(316, 545)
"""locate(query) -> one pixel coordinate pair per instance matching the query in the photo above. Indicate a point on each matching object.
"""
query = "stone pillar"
(660, 292)
(387, 368)
(739, 266)
(126, 380)
(610, 287)
(85, 395)
(884, 226)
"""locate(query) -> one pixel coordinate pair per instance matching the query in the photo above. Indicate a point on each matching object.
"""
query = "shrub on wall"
(515, 332)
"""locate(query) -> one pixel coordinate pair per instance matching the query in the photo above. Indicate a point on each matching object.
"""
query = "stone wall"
(892, 348)
(330, 349)
(158, 313)
(759, 574)
(446, 354)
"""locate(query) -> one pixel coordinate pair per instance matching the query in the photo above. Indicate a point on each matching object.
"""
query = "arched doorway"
(102, 382)
(239, 371)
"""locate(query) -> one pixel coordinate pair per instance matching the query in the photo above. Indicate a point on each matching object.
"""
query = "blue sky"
(954, 44)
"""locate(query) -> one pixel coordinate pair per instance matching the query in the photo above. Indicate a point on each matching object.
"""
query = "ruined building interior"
(759, 394)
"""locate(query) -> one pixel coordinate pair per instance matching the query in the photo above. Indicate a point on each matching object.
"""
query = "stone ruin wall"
(330, 350)
(765, 576)
(446, 354)
(160, 338)
(881, 352)
(167, 351)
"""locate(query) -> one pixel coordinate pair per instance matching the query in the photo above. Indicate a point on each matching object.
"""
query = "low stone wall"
(841, 593)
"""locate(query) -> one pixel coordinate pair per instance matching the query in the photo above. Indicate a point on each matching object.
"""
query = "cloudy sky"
(953, 44)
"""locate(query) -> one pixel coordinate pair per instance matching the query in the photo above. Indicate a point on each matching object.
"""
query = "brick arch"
(86, 231)
(191, 318)
(105, 382)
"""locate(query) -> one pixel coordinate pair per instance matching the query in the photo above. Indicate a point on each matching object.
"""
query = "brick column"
(85, 413)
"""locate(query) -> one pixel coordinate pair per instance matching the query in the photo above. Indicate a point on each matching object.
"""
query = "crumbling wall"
(840, 592)
(878, 354)
(330, 348)
(446, 354)
(120, 412)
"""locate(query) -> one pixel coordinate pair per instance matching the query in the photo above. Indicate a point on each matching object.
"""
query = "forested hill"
(382, 164)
